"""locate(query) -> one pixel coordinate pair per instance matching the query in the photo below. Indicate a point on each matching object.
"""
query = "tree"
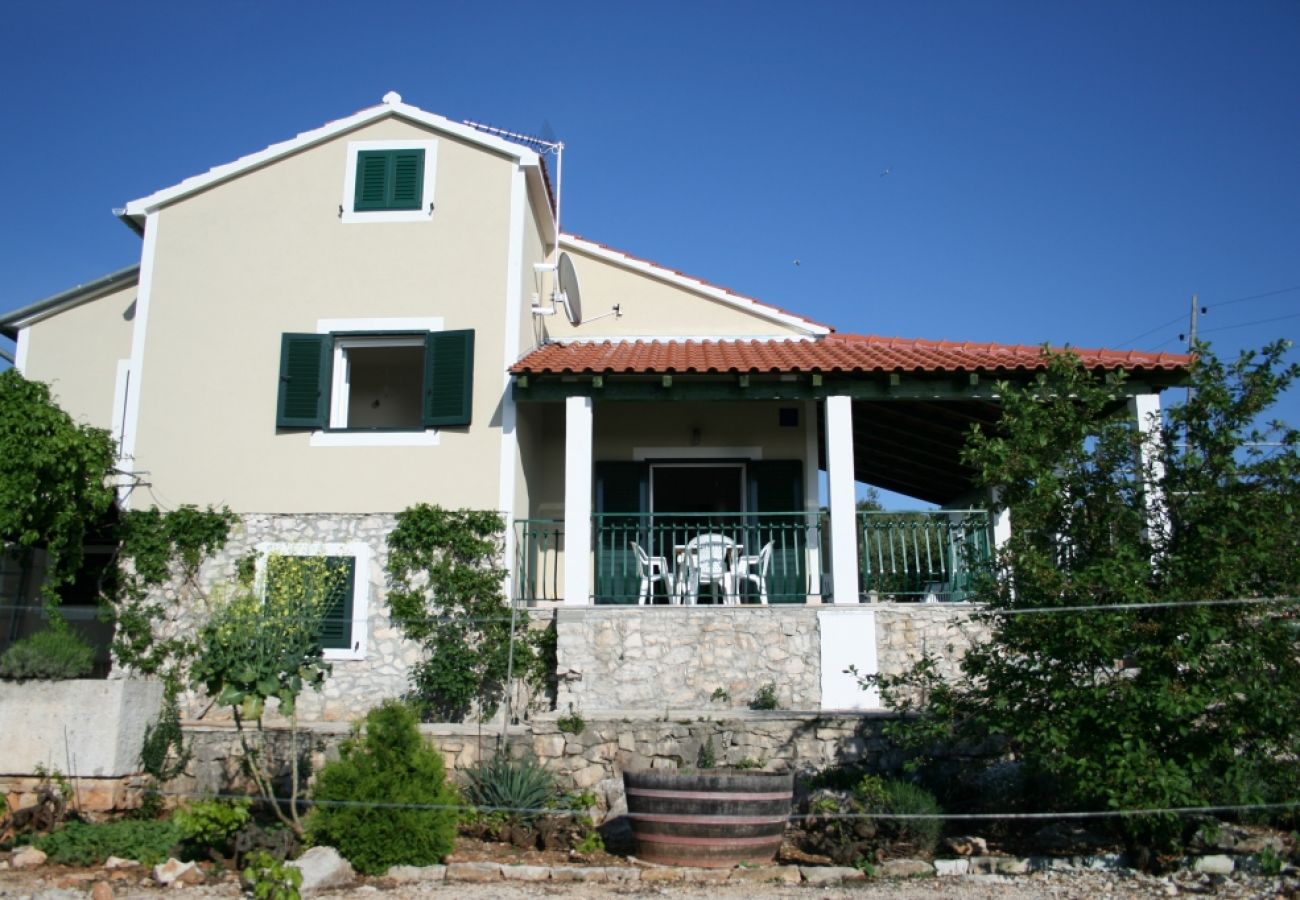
(54, 479)
(1182, 701)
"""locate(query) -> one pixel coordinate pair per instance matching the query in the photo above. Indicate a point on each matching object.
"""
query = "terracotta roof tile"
(843, 353)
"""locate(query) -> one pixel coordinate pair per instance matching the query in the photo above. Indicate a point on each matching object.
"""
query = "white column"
(1001, 522)
(843, 501)
(577, 501)
(1145, 408)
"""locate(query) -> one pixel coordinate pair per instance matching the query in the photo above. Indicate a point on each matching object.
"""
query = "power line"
(1179, 318)
(1256, 322)
(1254, 297)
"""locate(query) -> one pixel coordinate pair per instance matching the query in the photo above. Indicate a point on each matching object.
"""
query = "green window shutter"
(448, 377)
(336, 628)
(372, 175)
(621, 487)
(408, 179)
(389, 179)
(303, 395)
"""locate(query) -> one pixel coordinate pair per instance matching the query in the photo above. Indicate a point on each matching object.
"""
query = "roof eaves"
(82, 293)
(699, 285)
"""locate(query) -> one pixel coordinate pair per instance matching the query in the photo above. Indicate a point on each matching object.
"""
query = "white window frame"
(383, 332)
(361, 554)
(350, 216)
(341, 370)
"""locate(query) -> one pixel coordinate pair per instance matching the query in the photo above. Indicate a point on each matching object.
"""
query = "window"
(401, 381)
(343, 633)
(389, 181)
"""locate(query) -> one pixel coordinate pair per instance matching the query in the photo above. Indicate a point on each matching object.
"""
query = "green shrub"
(386, 801)
(902, 798)
(502, 784)
(573, 723)
(268, 878)
(765, 697)
(212, 823)
(55, 654)
(81, 844)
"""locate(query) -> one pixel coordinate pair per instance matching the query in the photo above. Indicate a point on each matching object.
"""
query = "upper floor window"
(395, 381)
(389, 181)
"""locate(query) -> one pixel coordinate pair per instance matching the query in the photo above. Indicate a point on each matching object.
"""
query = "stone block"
(322, 868)
(578, 873)
(765, 875)
(830, 874)
(1217, 864)
(416, 873)
(905, 868)
(526, 873)
(27, 858)
(1011, 865)
(950, 867)
(662, 875)
(704, 876)
(474, 871)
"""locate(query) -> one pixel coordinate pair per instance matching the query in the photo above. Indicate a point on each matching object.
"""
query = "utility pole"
(1197, 310)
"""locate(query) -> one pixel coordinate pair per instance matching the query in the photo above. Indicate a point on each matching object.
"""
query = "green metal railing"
(794, 571)
(539, 551)
(922, 555)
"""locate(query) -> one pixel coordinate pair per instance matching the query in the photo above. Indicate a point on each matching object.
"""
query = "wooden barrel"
(712, 819)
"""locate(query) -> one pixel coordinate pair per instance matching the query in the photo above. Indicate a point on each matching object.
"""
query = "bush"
(501, 784)
(386, 801)
(765, 697)
(901, 798)
(55, 654)
(81, 844)
(212, 824)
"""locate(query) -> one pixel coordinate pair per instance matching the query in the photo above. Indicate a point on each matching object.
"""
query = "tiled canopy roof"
(833, 353)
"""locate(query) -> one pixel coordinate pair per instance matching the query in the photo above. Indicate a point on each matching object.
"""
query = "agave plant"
(518, 787)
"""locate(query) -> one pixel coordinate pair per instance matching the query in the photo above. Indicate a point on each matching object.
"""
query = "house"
(382, 311)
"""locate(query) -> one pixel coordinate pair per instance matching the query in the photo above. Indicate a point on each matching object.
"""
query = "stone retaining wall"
(652, 657)
(594, 757)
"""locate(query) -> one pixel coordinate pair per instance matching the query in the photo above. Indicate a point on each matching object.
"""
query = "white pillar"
(843, 501)
(1001, 522)
(577, 501)
(1145, 408)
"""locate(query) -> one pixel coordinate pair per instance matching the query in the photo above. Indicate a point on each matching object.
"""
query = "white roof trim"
(749, 305)
(392, 106)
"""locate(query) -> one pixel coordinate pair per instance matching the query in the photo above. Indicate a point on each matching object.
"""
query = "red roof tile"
(833, 353)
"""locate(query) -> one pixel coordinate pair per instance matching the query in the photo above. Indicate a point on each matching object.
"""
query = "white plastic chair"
(754, 569)
(707, 561)
(652, 569)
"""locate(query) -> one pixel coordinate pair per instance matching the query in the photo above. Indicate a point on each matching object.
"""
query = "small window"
(389, 181)
(343, 631)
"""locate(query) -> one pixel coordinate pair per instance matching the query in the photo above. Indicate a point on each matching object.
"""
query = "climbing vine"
(160, 554)
(445, 590)
(54, 479)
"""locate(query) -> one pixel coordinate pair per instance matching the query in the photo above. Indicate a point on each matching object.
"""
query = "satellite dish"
(569, 294)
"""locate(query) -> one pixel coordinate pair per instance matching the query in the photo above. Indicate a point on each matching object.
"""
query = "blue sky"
(1056, 171)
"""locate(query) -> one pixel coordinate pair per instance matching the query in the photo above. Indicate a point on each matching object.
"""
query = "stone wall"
(649, 658)
(354, 686)
(593, 757)
(907, 631)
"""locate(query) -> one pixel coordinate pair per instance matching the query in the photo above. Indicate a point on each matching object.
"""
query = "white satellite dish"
(568, 293)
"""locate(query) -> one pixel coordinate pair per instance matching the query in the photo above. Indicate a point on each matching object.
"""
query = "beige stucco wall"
(651, 306)
(77, 350)
(622, 428)
(266, 253)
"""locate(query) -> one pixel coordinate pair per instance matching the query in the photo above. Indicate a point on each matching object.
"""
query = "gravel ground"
(1081, 884)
